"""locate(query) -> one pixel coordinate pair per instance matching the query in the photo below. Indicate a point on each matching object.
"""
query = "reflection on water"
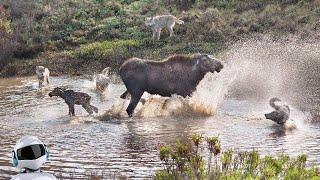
(82, 145)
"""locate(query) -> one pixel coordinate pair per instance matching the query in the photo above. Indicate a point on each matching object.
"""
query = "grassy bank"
(77, 37)
(185, 160)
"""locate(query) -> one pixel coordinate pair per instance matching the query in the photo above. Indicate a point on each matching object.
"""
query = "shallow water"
(235, 100)
(83, 146)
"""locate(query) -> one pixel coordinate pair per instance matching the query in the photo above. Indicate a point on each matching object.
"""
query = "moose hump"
(178, 74)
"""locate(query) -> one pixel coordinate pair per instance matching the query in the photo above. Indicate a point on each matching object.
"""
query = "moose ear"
(210, 56)
(194, 67)
(196, 55)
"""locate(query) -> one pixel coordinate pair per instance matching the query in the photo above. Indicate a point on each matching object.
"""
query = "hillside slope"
(77, 37)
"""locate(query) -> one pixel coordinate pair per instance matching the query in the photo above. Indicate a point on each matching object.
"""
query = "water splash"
(156, 106)
(276, 68)
(255, 70)
(259, 69)
(211, 90)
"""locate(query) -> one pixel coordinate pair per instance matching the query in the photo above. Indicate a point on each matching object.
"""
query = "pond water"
(83, 146)
(235, 99)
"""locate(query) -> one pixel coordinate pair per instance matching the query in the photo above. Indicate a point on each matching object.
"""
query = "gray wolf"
(159, 22)
(71, 98)
(179, 74)
(281, 113)
(43, 75)
(102, 80)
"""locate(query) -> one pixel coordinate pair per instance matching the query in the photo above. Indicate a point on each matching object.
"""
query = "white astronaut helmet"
(29, 153)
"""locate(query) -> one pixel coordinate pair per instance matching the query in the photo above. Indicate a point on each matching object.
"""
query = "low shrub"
(185, 161)
(102, 50)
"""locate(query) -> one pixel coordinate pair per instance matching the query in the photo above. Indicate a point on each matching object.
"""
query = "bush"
(184, 161)
(269, 16)
(105, 50)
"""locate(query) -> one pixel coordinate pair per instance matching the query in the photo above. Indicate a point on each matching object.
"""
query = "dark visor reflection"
(31, 152)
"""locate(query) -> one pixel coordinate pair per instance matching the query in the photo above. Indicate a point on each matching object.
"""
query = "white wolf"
(43, 75)
(102, 79)
(158, 22)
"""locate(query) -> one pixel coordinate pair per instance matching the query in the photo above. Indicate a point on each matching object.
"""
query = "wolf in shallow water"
(281, 113)
(102, 80)
(42, 75)
(159, 22)
(71, 98)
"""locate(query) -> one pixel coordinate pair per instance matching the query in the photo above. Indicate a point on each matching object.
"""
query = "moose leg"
(135, 98)
(126, 94)
(71, 109)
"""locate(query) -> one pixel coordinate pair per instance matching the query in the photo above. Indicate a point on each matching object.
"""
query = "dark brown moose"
(179, 74)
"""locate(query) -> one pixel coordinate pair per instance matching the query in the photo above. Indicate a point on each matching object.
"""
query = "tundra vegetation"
(74, 37)
(203, 158)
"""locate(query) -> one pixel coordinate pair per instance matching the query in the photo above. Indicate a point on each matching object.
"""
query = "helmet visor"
(31, 152)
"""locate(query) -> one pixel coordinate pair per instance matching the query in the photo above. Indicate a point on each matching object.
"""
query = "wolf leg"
(95, 109)
(170, 29)
(154, 33)
(158, 34)
(88, 108)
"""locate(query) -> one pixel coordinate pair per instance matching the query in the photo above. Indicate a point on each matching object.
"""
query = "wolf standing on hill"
(158, 22)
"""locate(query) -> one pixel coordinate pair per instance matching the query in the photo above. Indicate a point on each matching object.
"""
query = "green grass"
(186, 160)
(105, 49)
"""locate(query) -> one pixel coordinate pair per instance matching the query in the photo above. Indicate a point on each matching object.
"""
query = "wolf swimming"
(281, 113)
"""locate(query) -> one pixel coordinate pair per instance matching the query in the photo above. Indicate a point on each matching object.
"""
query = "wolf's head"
(149, 21)
(56, 92)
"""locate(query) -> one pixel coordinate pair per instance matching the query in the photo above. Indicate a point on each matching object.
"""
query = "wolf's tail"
(272, 103)
(178, 20)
